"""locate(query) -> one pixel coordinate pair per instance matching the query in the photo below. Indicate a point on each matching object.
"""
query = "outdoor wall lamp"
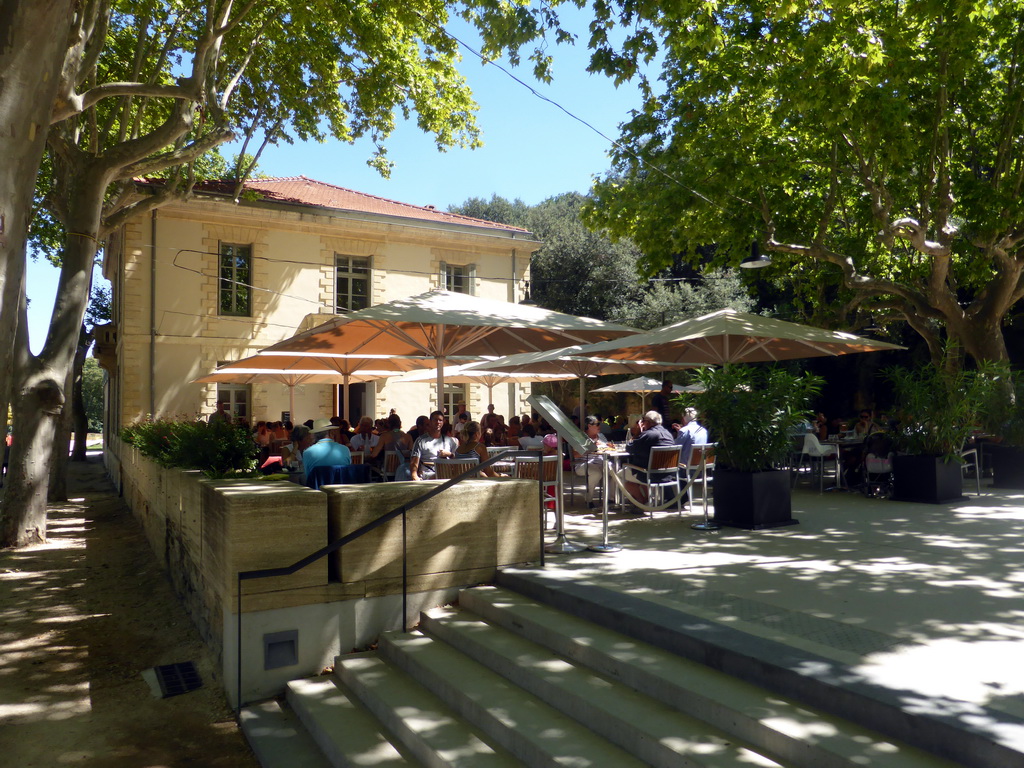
(756, 259)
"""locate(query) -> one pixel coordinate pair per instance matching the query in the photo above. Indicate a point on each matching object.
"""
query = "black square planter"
(753, 500)
(926, 479)
(1007, 462)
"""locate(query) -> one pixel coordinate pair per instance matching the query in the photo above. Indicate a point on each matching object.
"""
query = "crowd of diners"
(459, 435)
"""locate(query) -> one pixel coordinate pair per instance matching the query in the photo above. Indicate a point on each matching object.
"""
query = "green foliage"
(581, 271)
(92, 393)
(871, 147)
(218, 449)
(1003, 413)
(752, 411)
(938, 407)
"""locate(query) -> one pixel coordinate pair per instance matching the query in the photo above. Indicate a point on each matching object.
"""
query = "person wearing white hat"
(326, 451)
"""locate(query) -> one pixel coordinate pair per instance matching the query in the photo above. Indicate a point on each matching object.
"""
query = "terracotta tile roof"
(299, 190)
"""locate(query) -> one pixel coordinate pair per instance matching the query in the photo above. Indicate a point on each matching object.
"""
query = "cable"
(613, 142)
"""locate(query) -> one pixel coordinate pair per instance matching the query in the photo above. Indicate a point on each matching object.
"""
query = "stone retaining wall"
(204, 532)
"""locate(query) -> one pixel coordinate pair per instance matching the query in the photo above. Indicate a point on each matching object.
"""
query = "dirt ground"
(81, 617)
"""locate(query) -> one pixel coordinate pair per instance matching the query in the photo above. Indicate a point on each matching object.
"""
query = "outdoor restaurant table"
(611, 458)
(844, 445)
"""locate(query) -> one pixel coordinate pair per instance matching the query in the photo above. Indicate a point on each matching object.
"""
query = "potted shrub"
(751, 412)
(1004, 422)
(938, 407)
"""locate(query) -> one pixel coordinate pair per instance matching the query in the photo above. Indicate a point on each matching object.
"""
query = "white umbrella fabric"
(462, 374)
(439, 326)
(728, 336)
(293, 370)
(641, 385)
(570, 360)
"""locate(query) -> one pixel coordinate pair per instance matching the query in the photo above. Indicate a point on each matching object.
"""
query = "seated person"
(326, 451)
(461, 420)
(866, 425)
(431, 445)
(651, 435)
(591, 465)
(472, 448)
(364, 439)
(689, 434)
(389, 440)
(512, 433)
(530, 440)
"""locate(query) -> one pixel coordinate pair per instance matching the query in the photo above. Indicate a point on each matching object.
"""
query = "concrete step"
(424, 725)
(771, 724)
(532, 731)
(347, 734)
(653, 731)
(278, 738)
(825, 684)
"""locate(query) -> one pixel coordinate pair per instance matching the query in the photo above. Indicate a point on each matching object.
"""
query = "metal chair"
(390, 466)
(812, 450)
(526, 468)
(446, 469)
(969, 458)
(662, 472)
(702, 459)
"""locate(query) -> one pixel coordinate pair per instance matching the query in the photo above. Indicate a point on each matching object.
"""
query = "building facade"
(215, 279)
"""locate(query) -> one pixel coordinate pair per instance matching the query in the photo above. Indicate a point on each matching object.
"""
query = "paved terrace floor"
(925, 600)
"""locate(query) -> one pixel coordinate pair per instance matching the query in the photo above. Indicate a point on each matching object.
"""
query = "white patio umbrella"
(293, 370)
(728, 336)
(462, 374)
(572, 361)
(439, 326)
(641, 385)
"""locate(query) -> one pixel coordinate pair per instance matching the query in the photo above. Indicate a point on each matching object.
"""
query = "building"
(215, 279)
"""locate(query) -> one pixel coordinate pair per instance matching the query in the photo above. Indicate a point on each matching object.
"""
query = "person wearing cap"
(326, 451)
(431, 445)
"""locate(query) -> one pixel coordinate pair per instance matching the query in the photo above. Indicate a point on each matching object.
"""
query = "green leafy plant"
(939, 406)
(218, 450)
(751, 412)
(1003, 413)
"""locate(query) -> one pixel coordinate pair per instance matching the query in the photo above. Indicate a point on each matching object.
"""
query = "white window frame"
(451, 275)
(347, 274)
(232, 282)
(239, 408)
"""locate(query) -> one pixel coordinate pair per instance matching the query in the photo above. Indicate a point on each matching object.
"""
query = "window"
(453, 395)
(352, 283)
(458, 278)
(237, 398)
(235, 279)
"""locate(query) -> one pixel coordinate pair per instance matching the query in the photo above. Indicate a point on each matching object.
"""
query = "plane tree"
(123, 89)
(874, 150)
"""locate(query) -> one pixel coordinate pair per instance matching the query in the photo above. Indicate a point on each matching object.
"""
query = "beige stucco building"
(211, 280)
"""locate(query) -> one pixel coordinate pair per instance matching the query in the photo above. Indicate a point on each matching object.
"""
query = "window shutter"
(442, 282)
(471, 279)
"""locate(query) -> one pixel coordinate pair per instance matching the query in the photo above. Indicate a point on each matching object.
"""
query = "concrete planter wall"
(204, 532)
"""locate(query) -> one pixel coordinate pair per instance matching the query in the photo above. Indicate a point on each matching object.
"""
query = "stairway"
(544, 673)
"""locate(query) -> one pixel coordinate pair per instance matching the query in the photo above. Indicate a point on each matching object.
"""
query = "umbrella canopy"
(644, 384)
(728, 336)
(461, 374)
(441, 325)
(292, 370)
(572, 361)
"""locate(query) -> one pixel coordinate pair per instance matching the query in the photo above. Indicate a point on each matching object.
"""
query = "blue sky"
(532, 150)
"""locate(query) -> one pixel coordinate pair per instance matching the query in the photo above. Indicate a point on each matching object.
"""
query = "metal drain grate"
(177, 678)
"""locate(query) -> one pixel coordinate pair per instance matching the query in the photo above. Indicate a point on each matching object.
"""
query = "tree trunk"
(41, 378)
(57, 489)
(79, 418)
(33, 41)
(983, 341)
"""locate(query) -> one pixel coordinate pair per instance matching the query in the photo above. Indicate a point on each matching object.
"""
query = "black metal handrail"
(298, 565)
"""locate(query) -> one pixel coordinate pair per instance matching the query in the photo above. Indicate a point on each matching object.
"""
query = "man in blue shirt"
(326, 452)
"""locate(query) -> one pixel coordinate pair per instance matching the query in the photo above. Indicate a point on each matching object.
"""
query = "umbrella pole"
(440, 384)
(561, 545)
(291, 402)
(344, 397)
